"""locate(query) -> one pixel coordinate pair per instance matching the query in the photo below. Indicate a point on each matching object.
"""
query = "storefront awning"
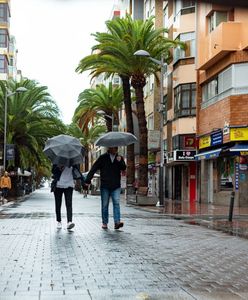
(239, 148)
(208, 154)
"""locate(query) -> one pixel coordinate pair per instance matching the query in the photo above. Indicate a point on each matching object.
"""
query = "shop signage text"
(239, 134)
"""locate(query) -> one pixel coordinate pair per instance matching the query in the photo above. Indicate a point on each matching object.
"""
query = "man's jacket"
(110, 172)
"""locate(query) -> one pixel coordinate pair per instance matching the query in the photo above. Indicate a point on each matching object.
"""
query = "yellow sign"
(243, 152)
(239, 134)
(204, 142)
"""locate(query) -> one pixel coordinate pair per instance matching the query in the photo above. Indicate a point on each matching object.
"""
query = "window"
(184, 7)
(166, 18)
(4, 13)
(218, 85)
(4, 38)
(225, 168)
(189, 39)
(185, 100)
(150, 123)
(175, 142)
(3, 64)
(210, 90)
(216, 18)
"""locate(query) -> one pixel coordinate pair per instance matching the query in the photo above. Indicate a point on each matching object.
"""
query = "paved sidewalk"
(154, 257)
(209, 215)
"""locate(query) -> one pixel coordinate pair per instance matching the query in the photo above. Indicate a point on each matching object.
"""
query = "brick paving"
(152, 257)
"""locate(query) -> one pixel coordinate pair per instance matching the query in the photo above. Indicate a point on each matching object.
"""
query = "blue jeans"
(105, 196)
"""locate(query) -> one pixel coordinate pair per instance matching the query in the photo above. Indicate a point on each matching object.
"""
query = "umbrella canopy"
(116, 139)
(64, 150)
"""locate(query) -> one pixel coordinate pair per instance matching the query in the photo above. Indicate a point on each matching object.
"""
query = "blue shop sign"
(216, 138)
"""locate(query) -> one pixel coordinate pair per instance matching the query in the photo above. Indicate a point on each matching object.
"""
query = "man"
(110, 165)
(5, 185)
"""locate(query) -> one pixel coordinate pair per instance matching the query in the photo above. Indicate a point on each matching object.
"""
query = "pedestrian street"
(151, 257)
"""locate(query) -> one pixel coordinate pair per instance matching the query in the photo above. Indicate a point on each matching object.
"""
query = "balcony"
(225, 38)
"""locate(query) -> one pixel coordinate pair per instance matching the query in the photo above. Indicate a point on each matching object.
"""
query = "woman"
(63, 183)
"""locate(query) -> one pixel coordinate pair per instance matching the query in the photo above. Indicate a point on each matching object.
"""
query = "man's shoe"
(59, 225)
(104, 226)
(119, 225)
(70, 225)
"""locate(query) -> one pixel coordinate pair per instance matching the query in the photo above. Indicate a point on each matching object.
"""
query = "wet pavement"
(153, 257)
(212, 216)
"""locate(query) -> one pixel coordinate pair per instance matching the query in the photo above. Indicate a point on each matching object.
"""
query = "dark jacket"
(110, 172)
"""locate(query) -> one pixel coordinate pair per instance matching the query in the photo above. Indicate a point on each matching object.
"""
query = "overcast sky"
(52, 36)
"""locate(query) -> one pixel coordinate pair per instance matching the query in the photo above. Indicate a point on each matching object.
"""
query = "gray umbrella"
(64, 150)
(116, 139)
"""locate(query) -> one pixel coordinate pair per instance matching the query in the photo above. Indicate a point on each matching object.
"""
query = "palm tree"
(116, 49)
(86, 136)
(32, 117)
(101, 101)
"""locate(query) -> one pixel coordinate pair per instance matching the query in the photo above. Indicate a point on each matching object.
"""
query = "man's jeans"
(105, 196)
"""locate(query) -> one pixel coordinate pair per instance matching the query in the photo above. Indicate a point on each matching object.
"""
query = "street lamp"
(6, 95)
(161, 168)
(101, 112)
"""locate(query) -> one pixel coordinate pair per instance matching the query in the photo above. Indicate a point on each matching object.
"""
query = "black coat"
(110, 172)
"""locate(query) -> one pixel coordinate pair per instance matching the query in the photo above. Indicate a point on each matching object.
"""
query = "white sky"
(52, 36)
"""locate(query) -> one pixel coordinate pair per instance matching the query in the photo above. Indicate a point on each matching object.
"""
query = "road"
(152, 257)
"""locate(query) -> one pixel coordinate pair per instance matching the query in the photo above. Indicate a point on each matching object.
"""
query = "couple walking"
(110, 165)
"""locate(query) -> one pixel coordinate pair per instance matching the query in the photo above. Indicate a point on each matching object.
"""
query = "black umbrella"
(64, 150)
(116, 139)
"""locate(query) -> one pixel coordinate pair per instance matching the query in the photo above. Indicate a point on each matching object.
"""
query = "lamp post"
(6, 95)
(101, 112)
(161, 105)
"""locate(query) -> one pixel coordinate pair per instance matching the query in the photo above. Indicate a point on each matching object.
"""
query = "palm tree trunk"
(143, 155)
(129, 122)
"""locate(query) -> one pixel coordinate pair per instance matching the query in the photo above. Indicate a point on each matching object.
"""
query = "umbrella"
(116, 139)
(64, 150)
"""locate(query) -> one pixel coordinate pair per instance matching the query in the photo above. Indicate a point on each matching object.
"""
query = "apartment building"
(180, 104)
(4, 38)
(222, 102)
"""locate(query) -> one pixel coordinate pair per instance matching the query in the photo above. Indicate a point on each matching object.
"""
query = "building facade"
(180, 104)
(222, 119)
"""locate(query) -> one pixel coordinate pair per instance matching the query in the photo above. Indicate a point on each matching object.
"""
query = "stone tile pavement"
(152, 257)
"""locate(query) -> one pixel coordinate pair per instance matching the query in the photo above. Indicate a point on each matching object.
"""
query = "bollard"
(231, 206)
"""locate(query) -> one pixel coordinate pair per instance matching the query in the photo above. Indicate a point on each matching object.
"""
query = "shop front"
(181, 168)
(223, 167)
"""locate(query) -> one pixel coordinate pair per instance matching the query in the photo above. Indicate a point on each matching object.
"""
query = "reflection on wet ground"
(193, 208)
(209, 215)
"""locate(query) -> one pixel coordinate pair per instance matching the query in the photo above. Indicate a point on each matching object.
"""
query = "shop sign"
(236, 176)
(10, 152)
(216, 138)
(204, 142)
(189, 142)
(153, 139)
(239, 134)
(226, 129)
(185, 155)
(243, 167)
(170, 156)
(244, 153)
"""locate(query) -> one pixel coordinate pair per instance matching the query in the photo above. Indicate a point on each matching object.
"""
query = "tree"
(116, 50)
(86, 136)
(101, 101)
(32, 117)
